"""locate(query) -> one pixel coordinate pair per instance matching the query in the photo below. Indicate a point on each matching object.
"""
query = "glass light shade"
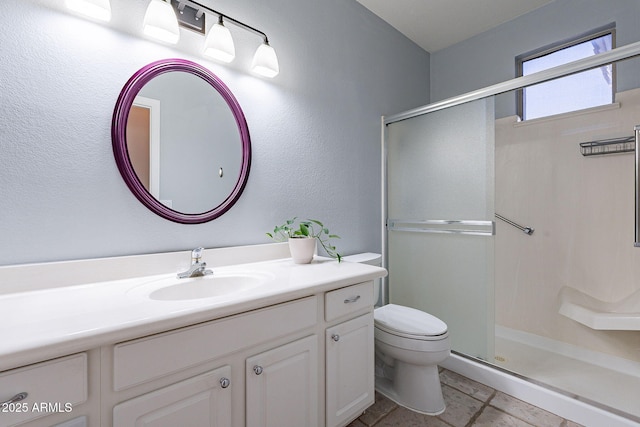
(219, 44)
(96, 9)
(160, 22)
(265, 61)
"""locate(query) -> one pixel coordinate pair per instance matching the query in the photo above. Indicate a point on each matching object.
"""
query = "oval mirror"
(181, 141)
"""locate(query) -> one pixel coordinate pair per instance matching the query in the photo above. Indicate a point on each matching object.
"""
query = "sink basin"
(216, 285)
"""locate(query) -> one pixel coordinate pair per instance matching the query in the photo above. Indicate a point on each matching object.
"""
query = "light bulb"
(96, 9)
(265, 61)
(160, 22)
(219, 44)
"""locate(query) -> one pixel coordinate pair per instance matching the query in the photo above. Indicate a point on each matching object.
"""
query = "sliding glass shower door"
(440, 213)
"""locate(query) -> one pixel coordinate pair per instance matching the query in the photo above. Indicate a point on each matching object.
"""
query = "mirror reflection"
(183, 142)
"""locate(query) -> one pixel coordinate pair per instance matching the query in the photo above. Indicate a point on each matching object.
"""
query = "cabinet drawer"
(145, 359)
(53, 386)
(351, 299)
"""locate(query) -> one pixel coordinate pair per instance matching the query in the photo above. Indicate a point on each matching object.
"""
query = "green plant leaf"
(306, 229)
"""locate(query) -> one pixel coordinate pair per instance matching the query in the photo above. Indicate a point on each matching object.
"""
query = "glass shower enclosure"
(440, 193)
(493, 225)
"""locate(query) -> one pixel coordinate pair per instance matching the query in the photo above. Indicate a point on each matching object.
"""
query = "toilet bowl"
(409, 344)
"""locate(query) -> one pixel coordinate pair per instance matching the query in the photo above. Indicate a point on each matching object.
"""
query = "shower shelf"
(608, 146)
(623, 315)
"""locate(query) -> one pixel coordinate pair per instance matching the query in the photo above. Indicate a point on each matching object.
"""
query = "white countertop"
(44, 324)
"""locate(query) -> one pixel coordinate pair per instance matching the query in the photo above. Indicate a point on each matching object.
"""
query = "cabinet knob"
(257, 369)
(335, 337)
(225, 382)
(352, 299)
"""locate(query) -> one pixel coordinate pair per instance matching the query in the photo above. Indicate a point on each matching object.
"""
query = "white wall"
(315, 128)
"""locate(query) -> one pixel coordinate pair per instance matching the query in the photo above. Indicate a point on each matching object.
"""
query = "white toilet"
(409, 345)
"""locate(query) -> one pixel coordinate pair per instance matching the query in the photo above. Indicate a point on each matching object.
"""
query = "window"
(587, 89)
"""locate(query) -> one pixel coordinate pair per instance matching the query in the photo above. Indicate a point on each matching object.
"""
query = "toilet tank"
(371, 259)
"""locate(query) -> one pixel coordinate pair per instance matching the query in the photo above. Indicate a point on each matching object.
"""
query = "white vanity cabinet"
(302, 357)
(277, 345)
(349, 346)
(264, 368)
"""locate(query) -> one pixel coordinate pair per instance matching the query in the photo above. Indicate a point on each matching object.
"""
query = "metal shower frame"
(614, 55)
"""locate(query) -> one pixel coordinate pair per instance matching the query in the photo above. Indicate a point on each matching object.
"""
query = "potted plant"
(302, 237)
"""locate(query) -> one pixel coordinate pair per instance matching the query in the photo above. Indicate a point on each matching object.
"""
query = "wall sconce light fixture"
(219, 43)
(265, 61)
(95, 9)
(162, 19)
(160, 22)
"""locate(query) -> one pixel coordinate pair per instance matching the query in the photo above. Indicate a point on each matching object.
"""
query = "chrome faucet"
(198, 267)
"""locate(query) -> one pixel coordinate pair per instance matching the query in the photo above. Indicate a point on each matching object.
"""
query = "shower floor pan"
(591, 382)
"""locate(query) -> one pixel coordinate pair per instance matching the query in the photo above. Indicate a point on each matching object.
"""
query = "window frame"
(555, 47)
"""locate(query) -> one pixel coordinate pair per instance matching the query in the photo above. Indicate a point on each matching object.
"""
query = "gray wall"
(315, 128)
(489, 58)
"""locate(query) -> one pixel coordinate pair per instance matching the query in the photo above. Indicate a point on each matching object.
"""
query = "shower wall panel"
(582, 211)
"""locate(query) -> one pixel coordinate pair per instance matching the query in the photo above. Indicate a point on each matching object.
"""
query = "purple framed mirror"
(181, 141)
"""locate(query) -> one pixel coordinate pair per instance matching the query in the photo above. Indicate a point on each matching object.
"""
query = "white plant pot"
(302, 249)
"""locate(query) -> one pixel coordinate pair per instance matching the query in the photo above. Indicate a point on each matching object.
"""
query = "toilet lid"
(408, 321)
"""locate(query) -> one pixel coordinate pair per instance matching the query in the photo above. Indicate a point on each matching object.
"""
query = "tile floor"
(469, 404)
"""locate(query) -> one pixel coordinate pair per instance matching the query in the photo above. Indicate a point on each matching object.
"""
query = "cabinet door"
(350, 369)
(200, 401)
(282, 386)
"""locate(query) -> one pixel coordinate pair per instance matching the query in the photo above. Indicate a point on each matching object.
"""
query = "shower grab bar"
(527, 230)
(443, 226)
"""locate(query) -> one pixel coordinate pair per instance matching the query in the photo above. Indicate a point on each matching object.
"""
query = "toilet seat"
(409, 323)
(428, 345)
